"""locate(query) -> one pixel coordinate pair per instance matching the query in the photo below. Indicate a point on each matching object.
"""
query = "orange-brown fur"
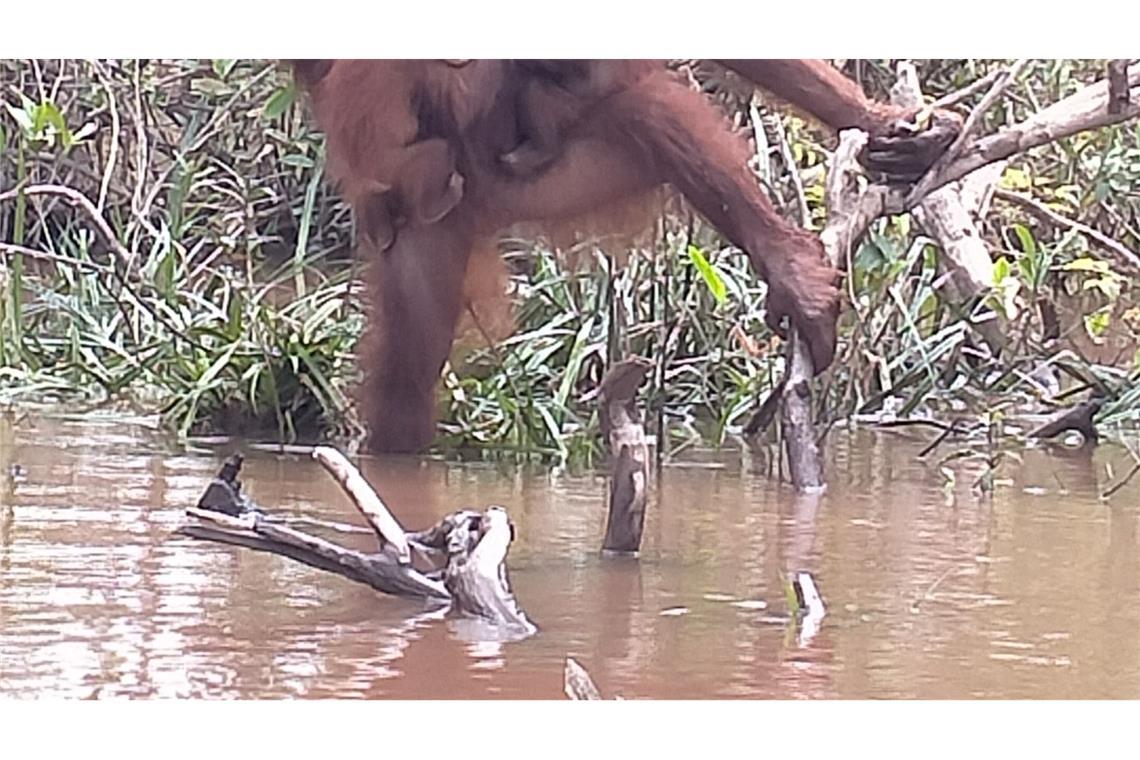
(393, 153)
(622, 129)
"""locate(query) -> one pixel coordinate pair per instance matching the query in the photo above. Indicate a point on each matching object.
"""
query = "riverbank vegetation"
(168, 245)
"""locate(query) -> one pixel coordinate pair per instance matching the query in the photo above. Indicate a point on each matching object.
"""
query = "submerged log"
(466, 550)
(224, 492)
(576, 682)
(624, 432)
(1079, 418)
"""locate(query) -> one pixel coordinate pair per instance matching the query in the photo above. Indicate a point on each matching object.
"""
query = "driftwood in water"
(810, 609)
(622, 427)
(224, 492)
(366, 500)
(1079, 418)
(466, 550)
(576, 682)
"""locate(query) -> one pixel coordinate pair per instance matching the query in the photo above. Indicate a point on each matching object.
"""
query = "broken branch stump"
(849, 216)
(468, 548)
(629, 453)
(576, 682)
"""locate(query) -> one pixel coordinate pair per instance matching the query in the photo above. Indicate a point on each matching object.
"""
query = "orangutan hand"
(903, 152)
(803, 287)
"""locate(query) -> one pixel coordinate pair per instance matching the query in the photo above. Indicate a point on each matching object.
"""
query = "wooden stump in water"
(629, 453)
(466, 551)
(576, 682)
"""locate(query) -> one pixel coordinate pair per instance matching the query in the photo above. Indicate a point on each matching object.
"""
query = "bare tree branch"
(1080, 112)
(121, 257)
(11, 249)
(365, 499)
(973, 123)
(958, 96)
(852, 209)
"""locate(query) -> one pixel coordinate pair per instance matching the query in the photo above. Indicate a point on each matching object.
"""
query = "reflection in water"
(1033, 593)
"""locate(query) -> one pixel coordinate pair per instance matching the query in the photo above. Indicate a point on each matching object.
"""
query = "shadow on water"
(931, 591)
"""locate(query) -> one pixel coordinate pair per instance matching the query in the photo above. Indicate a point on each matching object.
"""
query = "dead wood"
(1118, 96)
(466, 550)
(224, 492)
(622, 427)
(476, 575)
(853, 207)
(1079, 418)
(847, 220)
(365, 499)
(951, 215)
(576, 682)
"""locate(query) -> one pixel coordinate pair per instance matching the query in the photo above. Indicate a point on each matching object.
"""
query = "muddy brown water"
(1033, 594)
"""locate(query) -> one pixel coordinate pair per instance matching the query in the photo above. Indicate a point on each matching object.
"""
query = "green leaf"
(22, 118)
(553, 428)
(1085, 264)
(1001, 270)
(165, 274)
(279, 102)
(218, 364)
(708, 274)
(296, 159)
(574, 364)
(1098, 323)
(211, 87)
(47, 114)
(1015, 179)
(1025, 238)
(223, 66)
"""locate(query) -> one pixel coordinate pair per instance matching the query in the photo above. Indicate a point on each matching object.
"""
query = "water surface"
(931, 591)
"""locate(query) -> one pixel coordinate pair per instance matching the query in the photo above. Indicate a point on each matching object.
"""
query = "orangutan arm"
(895, 149)
(817, 87)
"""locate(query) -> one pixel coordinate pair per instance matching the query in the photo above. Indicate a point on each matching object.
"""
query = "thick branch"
(1080, 112)
(476, 572)
(473, 545)
(365, 499)
(851, 211)
(973, 123)
(382, 571)
(848, 218)
(950, 215)
(1118, 98)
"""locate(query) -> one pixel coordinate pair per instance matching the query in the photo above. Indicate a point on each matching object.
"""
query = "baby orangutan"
(436, 156)
(399, 168)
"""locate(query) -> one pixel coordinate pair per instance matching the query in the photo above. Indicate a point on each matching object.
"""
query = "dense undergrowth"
(210, 278)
